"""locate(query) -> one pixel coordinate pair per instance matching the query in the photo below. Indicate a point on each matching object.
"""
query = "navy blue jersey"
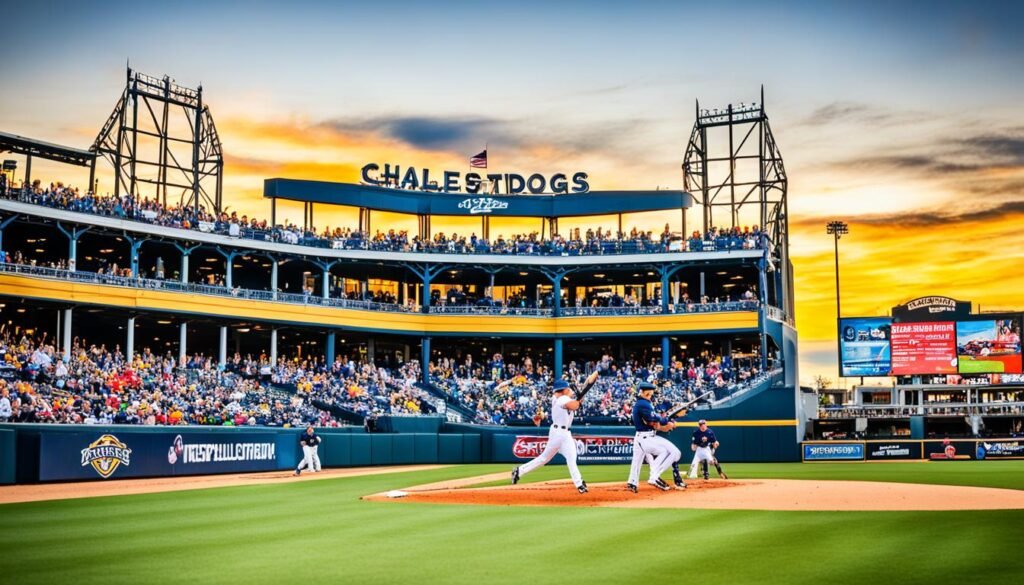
(644, 416)
(309, 440)
(703, 438)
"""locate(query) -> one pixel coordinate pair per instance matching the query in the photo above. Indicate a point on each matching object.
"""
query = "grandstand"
(335, 326)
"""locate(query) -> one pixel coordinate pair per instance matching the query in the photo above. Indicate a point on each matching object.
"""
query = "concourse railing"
(363, 305)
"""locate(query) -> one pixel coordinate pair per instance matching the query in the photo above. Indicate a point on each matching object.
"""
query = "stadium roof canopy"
(46, 150)
(436, 203)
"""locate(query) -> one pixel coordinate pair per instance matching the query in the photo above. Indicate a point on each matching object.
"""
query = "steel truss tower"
(161, 140)
(733, 168)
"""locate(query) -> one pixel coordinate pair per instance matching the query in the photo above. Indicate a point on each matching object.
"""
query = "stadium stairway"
(463, 413)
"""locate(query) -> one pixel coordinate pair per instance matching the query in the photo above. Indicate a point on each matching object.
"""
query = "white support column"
(182, 348)
(129, 350)
(326, 292)
(273, 277)
(67, 335)
(273, 347)
(184, 268)
(222, 355)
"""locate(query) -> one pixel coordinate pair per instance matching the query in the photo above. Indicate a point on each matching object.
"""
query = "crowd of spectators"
(588, 242)
(502, 393)
(361, 388)
(98, 385)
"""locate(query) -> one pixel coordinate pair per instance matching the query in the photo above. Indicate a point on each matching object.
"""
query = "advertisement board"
(105, 455)
(864, 346)
(589, 448)
(893, 451)
(836, 451)
(949, 450)
(1000, 449)
(924, 348)
(990, 346)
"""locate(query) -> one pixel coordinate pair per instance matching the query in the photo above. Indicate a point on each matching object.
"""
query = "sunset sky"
(905, 119)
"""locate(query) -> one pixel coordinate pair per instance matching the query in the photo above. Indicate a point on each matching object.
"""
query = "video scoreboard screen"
(924, 348)
(877, 346)
(990, 346)
(864, 346)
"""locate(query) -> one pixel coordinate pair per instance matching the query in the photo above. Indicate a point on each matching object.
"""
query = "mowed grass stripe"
(320, 532)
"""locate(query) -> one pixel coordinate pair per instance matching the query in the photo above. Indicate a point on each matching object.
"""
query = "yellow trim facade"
(45, 289)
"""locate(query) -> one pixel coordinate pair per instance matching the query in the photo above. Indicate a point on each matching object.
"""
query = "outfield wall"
(912, 450)
(32, 453)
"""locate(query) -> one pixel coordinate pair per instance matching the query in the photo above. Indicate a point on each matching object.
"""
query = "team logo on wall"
(176, 450)
(106, 454)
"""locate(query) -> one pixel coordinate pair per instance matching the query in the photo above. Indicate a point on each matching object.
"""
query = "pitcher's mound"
(759, 494)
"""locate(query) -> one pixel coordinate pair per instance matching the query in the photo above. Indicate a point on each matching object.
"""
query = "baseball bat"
(675, 411)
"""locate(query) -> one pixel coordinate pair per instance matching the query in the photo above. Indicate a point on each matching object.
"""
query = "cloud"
(841, 112)
(619, 139)
(923, 218)
(1008, 148)
(429, 133)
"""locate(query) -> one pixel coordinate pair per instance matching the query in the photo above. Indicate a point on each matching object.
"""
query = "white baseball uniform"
(559, 441)
(310, 457)
(703, 443)
(661, 451)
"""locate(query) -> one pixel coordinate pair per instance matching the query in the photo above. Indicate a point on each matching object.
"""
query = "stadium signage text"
(834, 452)
(933, 304)
(590, 448)
(220, 452)
(477, 205)
(451, 181)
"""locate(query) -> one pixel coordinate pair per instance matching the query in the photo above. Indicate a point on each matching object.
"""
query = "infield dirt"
(754, 494)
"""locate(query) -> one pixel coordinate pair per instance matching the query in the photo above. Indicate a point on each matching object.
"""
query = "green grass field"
(320, 532)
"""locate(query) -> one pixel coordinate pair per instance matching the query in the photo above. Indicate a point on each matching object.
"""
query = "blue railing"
(310, 299)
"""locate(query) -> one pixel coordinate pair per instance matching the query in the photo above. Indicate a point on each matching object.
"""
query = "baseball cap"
(702, 422)
(644, 386)
(559, 385)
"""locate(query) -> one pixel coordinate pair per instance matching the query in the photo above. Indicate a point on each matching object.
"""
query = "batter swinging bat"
(587, 385)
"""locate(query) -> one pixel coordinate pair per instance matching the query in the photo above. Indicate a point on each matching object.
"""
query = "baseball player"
(659, 451)
(310, 443)
(560, 440)
(703, 443)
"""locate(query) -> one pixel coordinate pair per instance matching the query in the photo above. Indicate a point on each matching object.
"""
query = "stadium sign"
(478, 205)
(931, 309)
(837, 451)
(70, 456)
(451, 181)
(589, 448)
(106, 454)
(220, 451)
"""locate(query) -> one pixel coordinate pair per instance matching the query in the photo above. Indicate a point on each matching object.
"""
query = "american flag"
(479, 161)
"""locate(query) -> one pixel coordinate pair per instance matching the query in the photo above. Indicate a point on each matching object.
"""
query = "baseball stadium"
(530, 385)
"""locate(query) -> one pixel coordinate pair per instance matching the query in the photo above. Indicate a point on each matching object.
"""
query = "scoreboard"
(932, 335)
